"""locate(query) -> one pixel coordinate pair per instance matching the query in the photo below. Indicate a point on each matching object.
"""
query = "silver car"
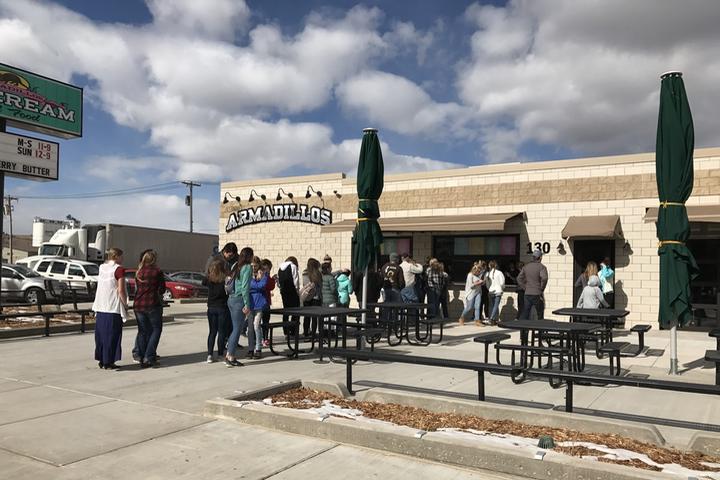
(21, 282)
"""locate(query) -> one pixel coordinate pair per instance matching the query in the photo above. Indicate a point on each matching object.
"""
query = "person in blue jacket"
(258, 302)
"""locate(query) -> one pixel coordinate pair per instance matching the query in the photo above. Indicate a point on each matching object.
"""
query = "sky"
(219, 90)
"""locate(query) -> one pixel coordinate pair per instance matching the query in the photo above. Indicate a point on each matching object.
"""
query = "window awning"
(488, 222)
(600, 226)
(696, 213)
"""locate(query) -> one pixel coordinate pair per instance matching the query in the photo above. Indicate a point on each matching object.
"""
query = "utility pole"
(189, 199)
(8, 211)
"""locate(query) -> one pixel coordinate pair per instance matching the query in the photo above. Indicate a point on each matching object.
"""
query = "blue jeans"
(236, 305)
(409, 295)
(495, 309)
(473, 304)
(149, 331)
(255, 333)
(218, 323)
(530, 302)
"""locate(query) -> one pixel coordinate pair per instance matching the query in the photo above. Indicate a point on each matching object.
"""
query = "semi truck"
(176, 250)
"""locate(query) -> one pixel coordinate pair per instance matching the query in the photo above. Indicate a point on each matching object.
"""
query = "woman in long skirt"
(110, 308)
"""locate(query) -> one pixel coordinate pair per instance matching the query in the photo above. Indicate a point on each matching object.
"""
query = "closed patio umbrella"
(367, 236)
(674, 175)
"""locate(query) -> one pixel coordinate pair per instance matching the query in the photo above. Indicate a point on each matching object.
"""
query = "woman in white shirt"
(495, 280)
(110, 308)
(472, 295)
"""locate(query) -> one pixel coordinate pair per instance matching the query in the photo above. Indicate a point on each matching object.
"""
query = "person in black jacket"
(288, 280)
(217, 309)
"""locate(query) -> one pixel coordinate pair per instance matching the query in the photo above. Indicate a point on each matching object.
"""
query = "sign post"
(33, 102)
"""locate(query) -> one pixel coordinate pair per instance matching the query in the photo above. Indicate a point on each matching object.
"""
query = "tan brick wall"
(549, 193)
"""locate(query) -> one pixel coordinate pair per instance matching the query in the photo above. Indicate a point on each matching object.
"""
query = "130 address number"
(543, 247)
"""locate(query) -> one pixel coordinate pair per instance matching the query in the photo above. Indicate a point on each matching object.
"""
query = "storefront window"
(459, 252)
(706, 287)
(397, 245)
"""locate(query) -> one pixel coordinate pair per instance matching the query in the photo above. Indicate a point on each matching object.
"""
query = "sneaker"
(136, 358)
(265, 343)
(250, 354)
(258, 354)
(210, 359)
(229, 363)
(487, 322)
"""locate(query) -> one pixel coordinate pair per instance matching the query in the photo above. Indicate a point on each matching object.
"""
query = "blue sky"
(225, 89)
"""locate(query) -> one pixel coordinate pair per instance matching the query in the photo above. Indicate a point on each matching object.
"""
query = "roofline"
(511, 167)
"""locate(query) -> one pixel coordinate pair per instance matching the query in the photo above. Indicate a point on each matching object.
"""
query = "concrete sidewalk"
(62, 417)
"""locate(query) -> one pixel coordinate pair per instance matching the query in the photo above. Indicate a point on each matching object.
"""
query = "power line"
(109, 193)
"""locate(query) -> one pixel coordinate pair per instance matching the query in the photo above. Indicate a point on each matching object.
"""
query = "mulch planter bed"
(421, 419)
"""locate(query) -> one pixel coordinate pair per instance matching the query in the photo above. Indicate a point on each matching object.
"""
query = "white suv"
(76, 273)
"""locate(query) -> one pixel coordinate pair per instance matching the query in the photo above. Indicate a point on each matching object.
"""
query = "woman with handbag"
(148, 306)
(311, 294)
(110, 307)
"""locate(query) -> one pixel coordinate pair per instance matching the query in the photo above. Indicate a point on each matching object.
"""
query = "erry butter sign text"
(38, 103)
(22, 156)
(284, 212)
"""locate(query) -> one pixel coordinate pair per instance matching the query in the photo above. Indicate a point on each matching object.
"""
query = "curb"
(69, 328)
(433, 446)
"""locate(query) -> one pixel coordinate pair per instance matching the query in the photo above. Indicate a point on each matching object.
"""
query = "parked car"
(75, 273)
(22, 282)
(173, 288)
(194, 278)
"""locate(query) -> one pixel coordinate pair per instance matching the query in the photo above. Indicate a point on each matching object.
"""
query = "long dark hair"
(245, 258)
(313, 271)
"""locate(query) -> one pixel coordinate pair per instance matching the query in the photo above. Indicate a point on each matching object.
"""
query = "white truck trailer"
(176, 250)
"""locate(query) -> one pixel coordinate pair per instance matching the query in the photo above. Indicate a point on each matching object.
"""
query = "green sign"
(41, 104)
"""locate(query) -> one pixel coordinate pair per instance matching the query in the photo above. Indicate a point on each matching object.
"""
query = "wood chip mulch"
(581, 451)
(421, 419)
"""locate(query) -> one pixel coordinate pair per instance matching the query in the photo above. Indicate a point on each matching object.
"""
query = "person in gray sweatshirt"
(592, 296)
(533, 279)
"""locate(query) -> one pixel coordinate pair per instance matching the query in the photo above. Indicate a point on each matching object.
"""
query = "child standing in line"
(592, 296)
(258, 303)
(329, 286)
(266, 266)
(344, 288)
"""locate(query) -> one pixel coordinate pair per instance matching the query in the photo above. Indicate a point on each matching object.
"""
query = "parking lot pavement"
(60, 409)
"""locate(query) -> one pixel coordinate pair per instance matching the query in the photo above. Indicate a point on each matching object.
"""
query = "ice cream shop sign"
(282, 212)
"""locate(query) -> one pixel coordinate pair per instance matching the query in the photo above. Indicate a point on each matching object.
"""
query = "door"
(11, 282)
(57, 270)
(75, 272)
(585, 251)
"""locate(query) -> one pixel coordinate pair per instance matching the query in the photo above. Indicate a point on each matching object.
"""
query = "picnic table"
(571, 336)
(323, 316)
(605, 317)
(400, 318)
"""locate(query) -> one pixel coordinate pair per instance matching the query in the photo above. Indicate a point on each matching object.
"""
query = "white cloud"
(584, 76)
(149, 210)
(210, 18)
(395, 103)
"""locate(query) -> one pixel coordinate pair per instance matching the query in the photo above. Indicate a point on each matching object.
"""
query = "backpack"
(307, 292)
(230, 283)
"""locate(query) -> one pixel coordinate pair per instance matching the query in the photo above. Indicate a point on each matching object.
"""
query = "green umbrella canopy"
(674, 174)
(368, 237)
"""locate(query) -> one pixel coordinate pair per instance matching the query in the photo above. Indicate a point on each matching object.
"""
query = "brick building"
(575, 210)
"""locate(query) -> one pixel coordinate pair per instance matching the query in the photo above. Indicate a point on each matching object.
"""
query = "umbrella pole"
(364, 304)
(673, 349)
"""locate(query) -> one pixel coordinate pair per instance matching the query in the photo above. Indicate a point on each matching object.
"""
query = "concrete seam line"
(136, 443)
(302, 460)
(37, 459)
(54, 413)
(130, 402)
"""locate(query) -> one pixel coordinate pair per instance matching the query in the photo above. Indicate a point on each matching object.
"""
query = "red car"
(173, 289)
